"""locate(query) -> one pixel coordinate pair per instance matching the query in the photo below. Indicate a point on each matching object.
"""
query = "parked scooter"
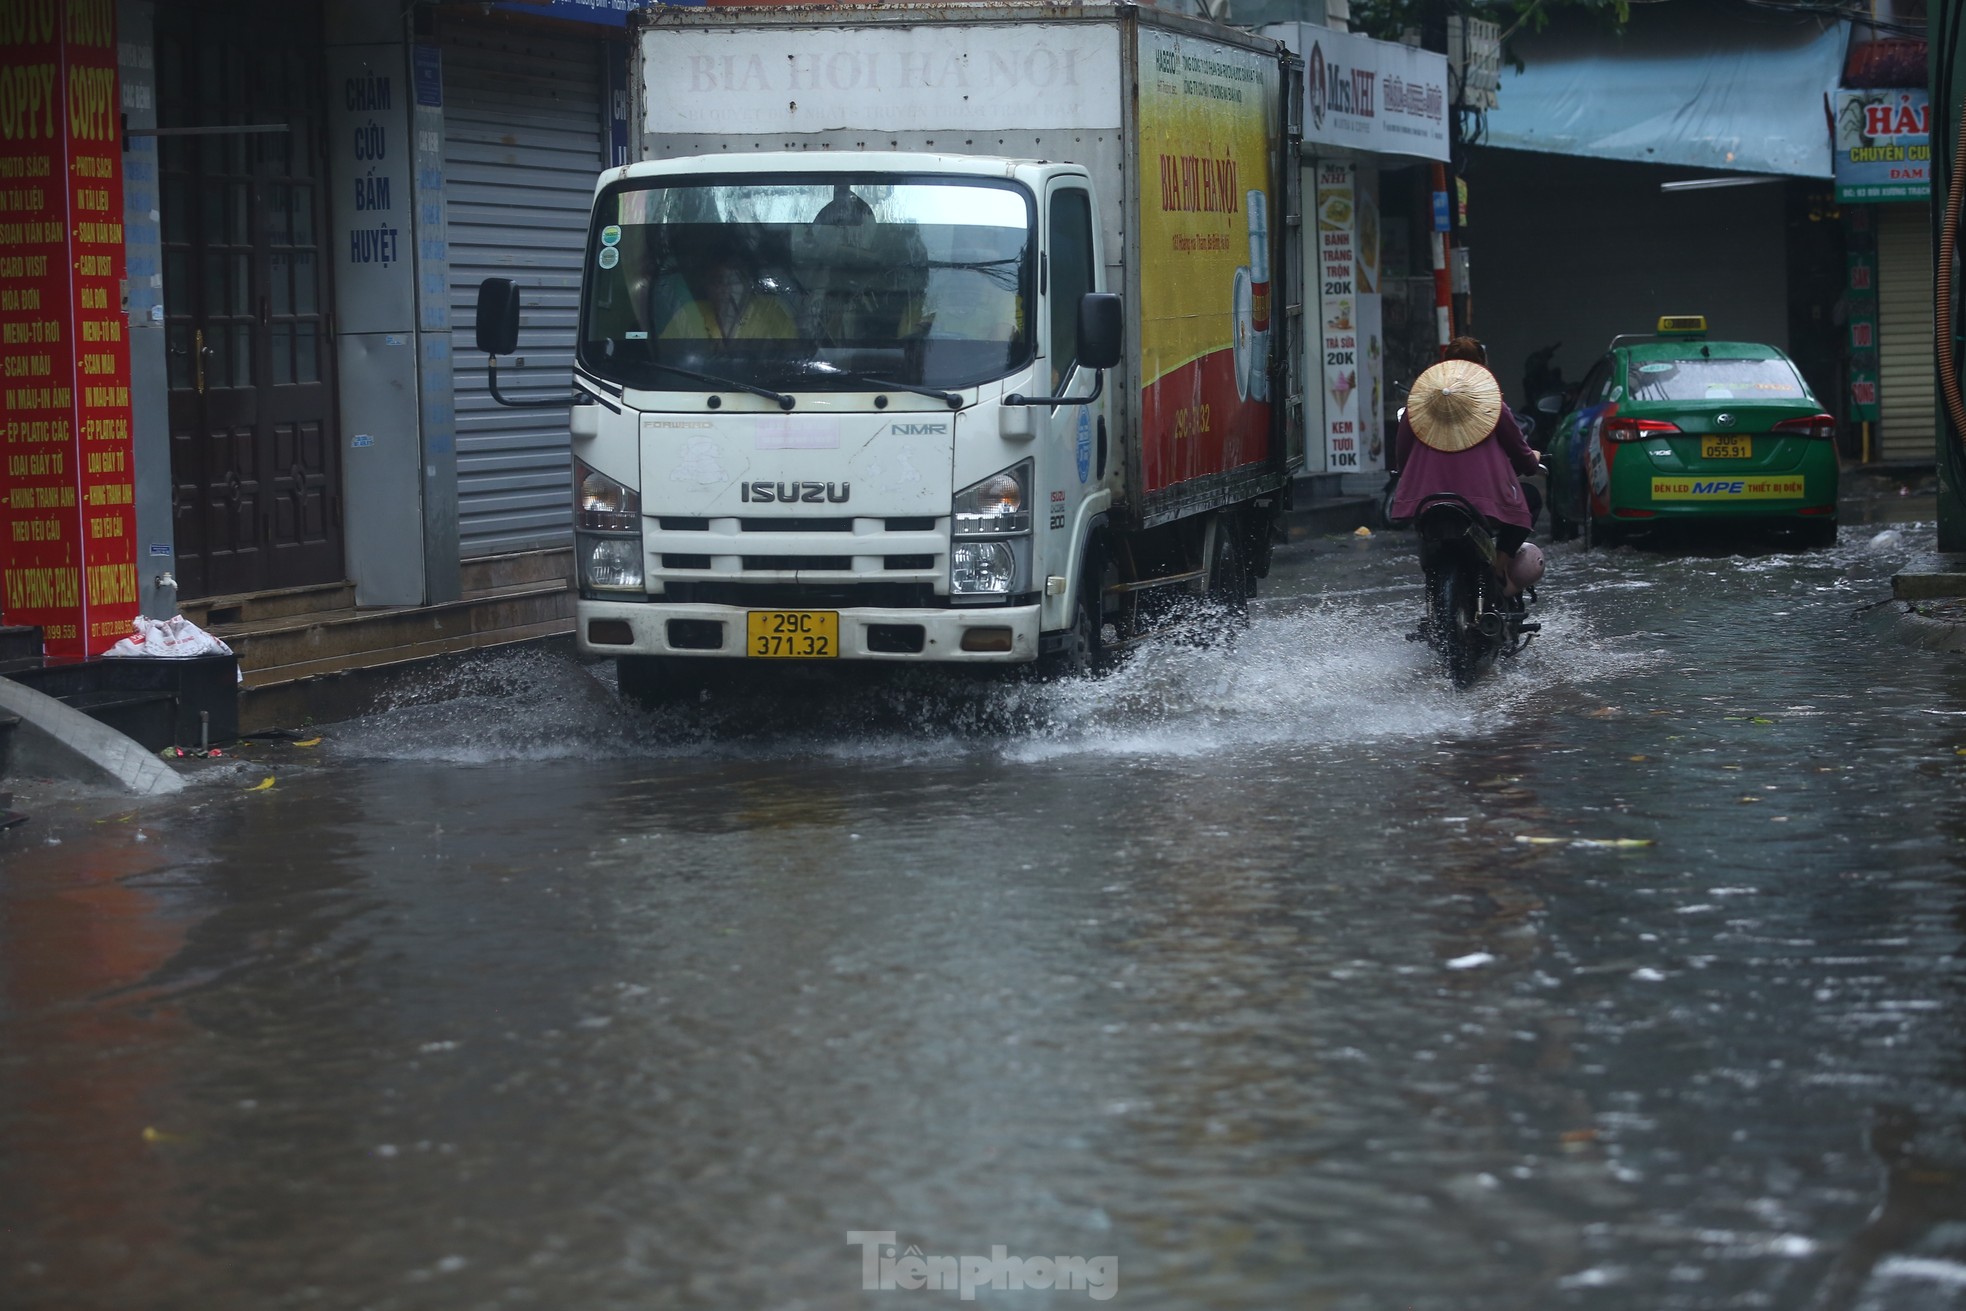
(1383, 511)
(1471, 621)
(1541, 378)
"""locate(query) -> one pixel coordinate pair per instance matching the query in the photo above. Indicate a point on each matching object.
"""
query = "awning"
(1684, 85)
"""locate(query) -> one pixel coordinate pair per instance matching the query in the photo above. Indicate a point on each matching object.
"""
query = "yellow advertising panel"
(1208, 124)
(1780, 488)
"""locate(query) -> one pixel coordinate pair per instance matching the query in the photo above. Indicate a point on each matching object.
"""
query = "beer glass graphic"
(1254, 370)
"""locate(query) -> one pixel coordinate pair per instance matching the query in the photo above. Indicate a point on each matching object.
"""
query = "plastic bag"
(173, 638)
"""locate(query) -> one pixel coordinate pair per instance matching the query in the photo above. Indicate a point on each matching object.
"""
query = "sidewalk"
(1324, 505)
(1927, 605)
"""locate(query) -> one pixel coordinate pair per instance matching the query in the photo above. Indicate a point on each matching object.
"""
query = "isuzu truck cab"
(841, 399)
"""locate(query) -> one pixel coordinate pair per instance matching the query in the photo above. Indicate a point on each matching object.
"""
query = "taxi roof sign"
(1682, 325)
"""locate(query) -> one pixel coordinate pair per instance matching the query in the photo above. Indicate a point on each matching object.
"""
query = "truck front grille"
(790, 563)
(761, 524)
(805, 596)
(791, 550)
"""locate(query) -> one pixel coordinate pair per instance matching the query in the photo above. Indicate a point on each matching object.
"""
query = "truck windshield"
(808, 283)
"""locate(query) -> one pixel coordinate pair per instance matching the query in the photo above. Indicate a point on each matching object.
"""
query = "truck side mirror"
(498, 316)
(1102, 329)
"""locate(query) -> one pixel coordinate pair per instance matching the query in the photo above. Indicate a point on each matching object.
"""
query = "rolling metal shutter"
(1904, 335)
(523, 141)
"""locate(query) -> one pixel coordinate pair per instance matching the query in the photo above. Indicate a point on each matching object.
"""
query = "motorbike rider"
(1456, 437)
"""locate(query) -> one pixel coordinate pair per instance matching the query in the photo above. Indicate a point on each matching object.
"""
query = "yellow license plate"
(792, 634)
(1726, 448)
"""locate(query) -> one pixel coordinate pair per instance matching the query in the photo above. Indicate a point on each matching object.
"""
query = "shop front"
(1883, 187)
(1375, 132)
(237, 352)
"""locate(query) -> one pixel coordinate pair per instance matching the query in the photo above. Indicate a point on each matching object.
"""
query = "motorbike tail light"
(1820, 426)
(1635, 430)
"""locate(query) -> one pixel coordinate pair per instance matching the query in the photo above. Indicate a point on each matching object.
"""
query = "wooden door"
(256, 483)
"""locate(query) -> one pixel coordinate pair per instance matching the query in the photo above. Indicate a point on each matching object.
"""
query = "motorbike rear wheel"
(1463, 649)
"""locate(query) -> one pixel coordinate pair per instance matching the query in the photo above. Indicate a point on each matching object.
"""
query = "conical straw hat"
(1454, 405)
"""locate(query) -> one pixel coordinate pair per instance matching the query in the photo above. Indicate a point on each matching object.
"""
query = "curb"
(1921, 624)
(58, 740)
(1330, 516)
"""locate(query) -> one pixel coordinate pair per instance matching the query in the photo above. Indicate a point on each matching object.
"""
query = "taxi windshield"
(807, 282)
(1702, 379)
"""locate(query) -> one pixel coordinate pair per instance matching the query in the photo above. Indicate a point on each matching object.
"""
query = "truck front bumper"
(996, 635)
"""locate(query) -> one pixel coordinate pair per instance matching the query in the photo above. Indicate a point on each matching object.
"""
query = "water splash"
(1318, 671)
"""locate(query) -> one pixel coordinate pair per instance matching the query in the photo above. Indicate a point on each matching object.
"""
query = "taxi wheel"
(1600, 534)
(1817, 536)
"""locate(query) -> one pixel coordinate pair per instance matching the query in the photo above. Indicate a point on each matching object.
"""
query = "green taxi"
(1672, 427)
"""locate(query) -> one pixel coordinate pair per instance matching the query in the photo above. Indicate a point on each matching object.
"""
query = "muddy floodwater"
(1272, 976)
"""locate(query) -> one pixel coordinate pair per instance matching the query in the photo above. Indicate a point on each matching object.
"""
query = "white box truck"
(963, 334)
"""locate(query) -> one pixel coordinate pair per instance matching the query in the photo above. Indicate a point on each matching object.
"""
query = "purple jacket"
(1485, 473)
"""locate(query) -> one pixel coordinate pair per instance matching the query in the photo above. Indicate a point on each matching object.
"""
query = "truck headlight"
(999, 504)
(982, 568)
(612, 564)
(990, 547)
(601, 502)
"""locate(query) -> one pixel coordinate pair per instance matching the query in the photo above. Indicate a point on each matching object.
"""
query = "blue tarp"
(1684, 85)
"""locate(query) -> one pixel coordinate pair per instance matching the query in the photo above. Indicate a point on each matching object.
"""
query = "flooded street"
(1281, 976)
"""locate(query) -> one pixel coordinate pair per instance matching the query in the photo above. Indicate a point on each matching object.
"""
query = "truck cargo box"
(1184, 126)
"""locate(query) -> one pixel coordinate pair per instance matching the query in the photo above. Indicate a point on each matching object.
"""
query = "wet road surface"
(1281, 976)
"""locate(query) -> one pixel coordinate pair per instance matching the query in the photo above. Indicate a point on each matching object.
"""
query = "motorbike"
(1470, 622)
(1383, 508)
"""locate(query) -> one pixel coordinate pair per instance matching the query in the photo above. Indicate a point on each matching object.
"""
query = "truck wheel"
(1228, 576)
(1083, 655)
(1221, 611)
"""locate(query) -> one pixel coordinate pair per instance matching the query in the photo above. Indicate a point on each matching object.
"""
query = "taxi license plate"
(792, 634)
(1726, 448)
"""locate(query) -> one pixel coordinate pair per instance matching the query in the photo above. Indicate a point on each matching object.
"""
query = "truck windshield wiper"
(784, 402)
(821, 367)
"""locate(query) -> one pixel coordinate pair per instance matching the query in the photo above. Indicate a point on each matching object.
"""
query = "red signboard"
(67, 519)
